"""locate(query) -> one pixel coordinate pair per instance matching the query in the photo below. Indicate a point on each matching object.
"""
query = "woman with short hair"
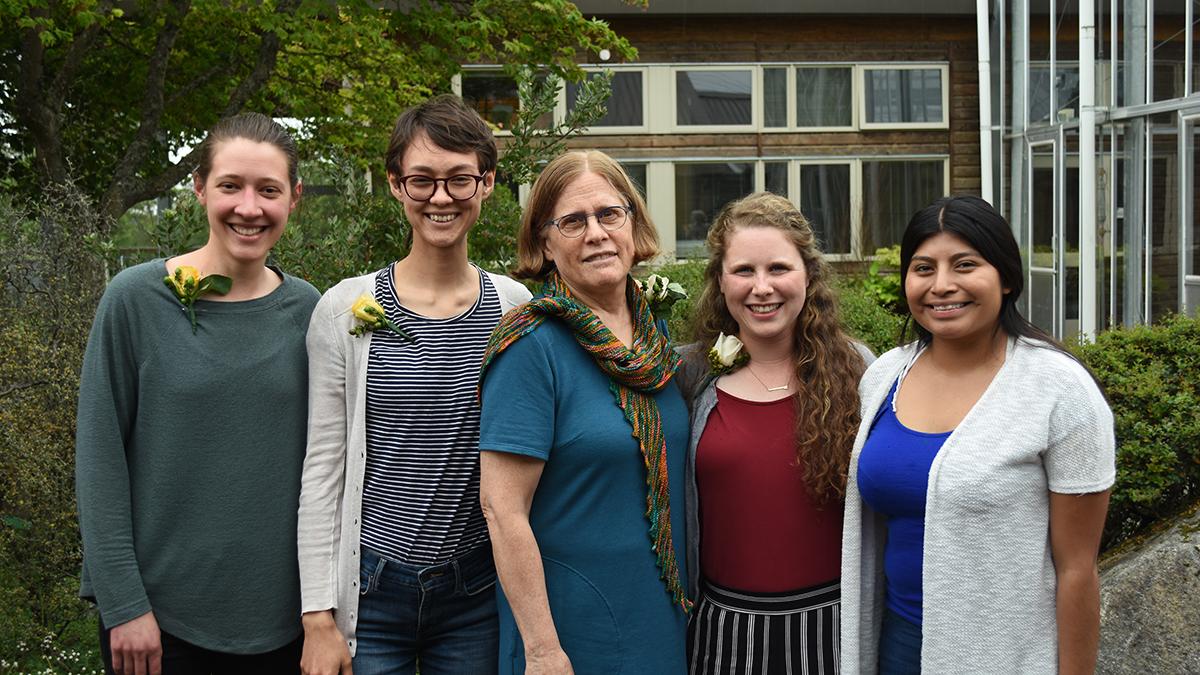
(396, 569)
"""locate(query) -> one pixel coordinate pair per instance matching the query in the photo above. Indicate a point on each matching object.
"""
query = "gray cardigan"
(699, 386)
(331, 486)
(988, 582)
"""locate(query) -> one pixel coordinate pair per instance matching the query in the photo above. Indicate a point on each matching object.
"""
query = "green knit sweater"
(188, 456)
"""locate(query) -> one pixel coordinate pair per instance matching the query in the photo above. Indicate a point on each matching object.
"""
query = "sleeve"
(1081, 455)
(318, 528)
(518, 405)
(107, 409)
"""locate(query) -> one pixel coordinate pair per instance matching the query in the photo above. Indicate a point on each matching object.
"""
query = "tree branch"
(126, 190)
(268, 53)
(14, 388)
(115, 198)
(79, 49)
(34, 110)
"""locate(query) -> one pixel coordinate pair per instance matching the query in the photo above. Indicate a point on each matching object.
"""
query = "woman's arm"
(321, 486)
(1076, 523)
(506, 486)
(105, 416)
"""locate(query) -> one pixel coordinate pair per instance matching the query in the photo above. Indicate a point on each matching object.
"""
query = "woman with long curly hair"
(773, 421)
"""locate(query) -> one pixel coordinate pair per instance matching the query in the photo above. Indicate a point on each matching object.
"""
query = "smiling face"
(952, 291)
(765, 283)
(442, 221)
(247, 199)
(596, 263)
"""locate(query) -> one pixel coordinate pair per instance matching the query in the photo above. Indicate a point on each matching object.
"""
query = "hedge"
(1151, 376)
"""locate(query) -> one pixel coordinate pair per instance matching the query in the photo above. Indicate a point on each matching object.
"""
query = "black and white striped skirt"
(738, 632)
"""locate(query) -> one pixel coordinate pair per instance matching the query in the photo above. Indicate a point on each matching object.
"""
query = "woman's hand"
(548, 663)
(325, 650)
(137, 646)
(1076, 523)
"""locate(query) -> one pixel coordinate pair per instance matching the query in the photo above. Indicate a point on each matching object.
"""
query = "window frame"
(456, 88)
(560, 111)
(794, 108)
(860, 85)
(755, 124)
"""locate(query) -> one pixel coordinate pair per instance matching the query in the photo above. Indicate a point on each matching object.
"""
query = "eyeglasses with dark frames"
(422, 188)
(610, 218)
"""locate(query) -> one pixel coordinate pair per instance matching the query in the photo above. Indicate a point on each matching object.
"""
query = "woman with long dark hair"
(980, 476)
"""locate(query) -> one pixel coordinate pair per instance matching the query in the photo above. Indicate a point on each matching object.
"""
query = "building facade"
(862, 112)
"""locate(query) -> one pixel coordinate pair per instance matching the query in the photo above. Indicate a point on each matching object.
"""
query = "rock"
(1150, 604)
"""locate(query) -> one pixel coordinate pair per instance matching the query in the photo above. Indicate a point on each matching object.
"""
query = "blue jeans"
(441, 618)
(899, 646)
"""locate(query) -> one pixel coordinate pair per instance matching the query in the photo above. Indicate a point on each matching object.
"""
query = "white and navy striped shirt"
(421, 490)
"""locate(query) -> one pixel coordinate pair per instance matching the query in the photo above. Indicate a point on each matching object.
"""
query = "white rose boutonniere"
(661, 294)
(726, 354)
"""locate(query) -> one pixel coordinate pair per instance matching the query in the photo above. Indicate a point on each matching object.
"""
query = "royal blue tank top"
(893, 477)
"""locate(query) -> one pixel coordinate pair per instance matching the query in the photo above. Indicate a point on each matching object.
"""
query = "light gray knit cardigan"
(988, 582)
(329, 522)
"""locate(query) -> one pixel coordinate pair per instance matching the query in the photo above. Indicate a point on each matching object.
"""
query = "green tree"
(101, 92)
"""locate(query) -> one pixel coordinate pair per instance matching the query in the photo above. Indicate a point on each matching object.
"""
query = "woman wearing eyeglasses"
(395, 564)
(583, 438)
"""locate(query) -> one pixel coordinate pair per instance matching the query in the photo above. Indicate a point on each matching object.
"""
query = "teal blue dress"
(545, 397)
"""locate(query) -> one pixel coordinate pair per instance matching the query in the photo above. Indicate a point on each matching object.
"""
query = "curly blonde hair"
(827, 366)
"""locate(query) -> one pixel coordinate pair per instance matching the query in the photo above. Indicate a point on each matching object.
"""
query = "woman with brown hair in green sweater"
(191, 429)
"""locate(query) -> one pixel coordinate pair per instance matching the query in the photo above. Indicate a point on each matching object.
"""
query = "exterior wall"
(791, 39)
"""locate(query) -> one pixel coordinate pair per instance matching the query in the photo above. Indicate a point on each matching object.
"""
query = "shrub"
(1149, 374)
(50, 281)
(882, 280)
(865, 318)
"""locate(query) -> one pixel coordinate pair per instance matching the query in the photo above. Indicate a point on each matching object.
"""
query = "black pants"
(185, 658)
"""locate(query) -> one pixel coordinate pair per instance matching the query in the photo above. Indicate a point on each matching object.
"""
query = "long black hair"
(980, 225)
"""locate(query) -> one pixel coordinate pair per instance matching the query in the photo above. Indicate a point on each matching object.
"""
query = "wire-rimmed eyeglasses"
(422, 188)
(610, 218)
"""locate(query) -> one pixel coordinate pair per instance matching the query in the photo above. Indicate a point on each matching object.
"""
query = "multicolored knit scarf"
(634, 374)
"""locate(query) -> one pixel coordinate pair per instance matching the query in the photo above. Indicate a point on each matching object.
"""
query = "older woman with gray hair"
(583, 437)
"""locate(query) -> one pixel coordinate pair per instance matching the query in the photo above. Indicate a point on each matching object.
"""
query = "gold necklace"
(782, 387)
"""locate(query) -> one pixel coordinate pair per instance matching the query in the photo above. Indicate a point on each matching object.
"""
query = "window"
(824, 97)
(775, 112)
(713, 97)
(701, 190)
(892, 192)
(637, 173)
(775, 178)
(1066, 84)
(912, 96)
(492, 95)
(825, 201)
(625, 106)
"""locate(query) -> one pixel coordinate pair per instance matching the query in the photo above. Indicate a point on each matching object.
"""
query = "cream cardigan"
(331, 485)
(988, 582)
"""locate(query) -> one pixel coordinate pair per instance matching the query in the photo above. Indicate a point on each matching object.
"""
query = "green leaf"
(215, 283)
(16, 523)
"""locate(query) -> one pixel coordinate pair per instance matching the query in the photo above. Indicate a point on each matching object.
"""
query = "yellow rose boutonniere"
(366, 310)
(726, 354)
(187, 285)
